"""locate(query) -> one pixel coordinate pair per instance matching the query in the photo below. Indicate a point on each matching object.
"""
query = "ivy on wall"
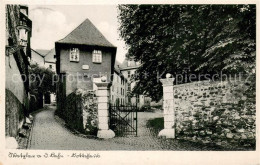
(90, 112)
(80, 111)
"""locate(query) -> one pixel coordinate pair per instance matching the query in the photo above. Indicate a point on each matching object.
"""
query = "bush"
(156, 125)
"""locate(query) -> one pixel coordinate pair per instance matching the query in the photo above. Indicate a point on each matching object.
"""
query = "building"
(83, 57)
(37, 58)
(118, 94)
(50, 60)
(128, 69)
(45, 59)
(50, 63)
(17, 57)
(123, 85)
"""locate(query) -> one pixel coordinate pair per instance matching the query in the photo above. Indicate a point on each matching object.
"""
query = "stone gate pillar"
(168, 107)
(103, 110)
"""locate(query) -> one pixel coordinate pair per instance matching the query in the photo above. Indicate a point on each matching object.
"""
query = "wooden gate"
(123, 119)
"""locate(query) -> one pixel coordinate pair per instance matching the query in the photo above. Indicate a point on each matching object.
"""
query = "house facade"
(83, 57)
(128, 69)
(17, 57)
(50, 60)
(37, 58)
(45, 59)
(118, 90)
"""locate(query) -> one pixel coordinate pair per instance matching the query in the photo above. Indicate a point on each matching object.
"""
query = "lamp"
(23, 30)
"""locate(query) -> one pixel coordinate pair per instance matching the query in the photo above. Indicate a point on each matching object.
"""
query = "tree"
(41, 83)
(185, 39)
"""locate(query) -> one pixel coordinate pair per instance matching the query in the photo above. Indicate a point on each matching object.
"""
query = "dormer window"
(74, 54)
(97, 56)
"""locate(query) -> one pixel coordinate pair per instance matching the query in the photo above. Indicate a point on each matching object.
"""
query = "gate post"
(103, 110)
(168, 108)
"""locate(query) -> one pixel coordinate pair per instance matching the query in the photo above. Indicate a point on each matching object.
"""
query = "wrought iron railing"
(123, 119)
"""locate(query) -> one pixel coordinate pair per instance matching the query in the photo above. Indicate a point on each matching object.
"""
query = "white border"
(125, 157)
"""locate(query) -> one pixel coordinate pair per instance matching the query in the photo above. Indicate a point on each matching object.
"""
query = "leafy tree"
(185, 39)
(41, 83)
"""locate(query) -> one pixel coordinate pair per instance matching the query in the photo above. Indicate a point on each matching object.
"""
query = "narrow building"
(83, 57)
(17, 57)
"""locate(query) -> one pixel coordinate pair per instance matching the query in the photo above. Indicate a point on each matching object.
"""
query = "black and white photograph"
(128, 77)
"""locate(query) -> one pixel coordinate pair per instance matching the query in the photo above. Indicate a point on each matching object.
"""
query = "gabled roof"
(117, 69)
(43, 52)
(49, 57)
(34, 52)
(86, 34)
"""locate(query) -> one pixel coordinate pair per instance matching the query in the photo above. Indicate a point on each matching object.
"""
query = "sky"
(52, 23)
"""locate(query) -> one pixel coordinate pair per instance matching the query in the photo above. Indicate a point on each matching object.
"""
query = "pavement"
(48, 134)
(145, 138)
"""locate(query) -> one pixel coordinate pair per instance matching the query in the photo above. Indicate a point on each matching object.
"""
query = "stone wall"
(218, 112)
(72, 112)
(14, 114)
(16, 71)
(79, 111)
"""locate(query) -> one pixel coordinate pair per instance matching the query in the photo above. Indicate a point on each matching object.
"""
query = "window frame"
(77, 53)
(95, 58)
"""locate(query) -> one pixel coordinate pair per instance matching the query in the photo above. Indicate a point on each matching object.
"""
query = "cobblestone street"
(145, 139)
(49, 134)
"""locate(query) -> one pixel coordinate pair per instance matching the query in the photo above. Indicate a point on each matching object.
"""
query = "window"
(129, 74)
(97, 56)
(74, 54)
(121, 91)
(137, 99)
(129, 87)
(50, 66)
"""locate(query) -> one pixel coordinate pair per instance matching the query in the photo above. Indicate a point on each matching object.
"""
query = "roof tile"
(86, 34)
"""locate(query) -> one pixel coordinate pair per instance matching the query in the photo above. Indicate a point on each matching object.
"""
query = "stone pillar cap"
(167, 81)
(103, 84)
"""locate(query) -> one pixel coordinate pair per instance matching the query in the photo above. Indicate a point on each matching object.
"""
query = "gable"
(86, 34)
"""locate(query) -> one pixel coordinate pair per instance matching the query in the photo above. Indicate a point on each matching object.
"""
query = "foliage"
(41, 80)
(90, 107)
(185, 39)
(157, 124)
(72, 114)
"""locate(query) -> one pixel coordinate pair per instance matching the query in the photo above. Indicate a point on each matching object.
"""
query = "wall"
(16, 66)
(53, 65)
(80, 112)
(74, 69)
(13, 80)
(14, 114)
(37, 59)
(115, 90)
(72, 112)
(219, 112)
